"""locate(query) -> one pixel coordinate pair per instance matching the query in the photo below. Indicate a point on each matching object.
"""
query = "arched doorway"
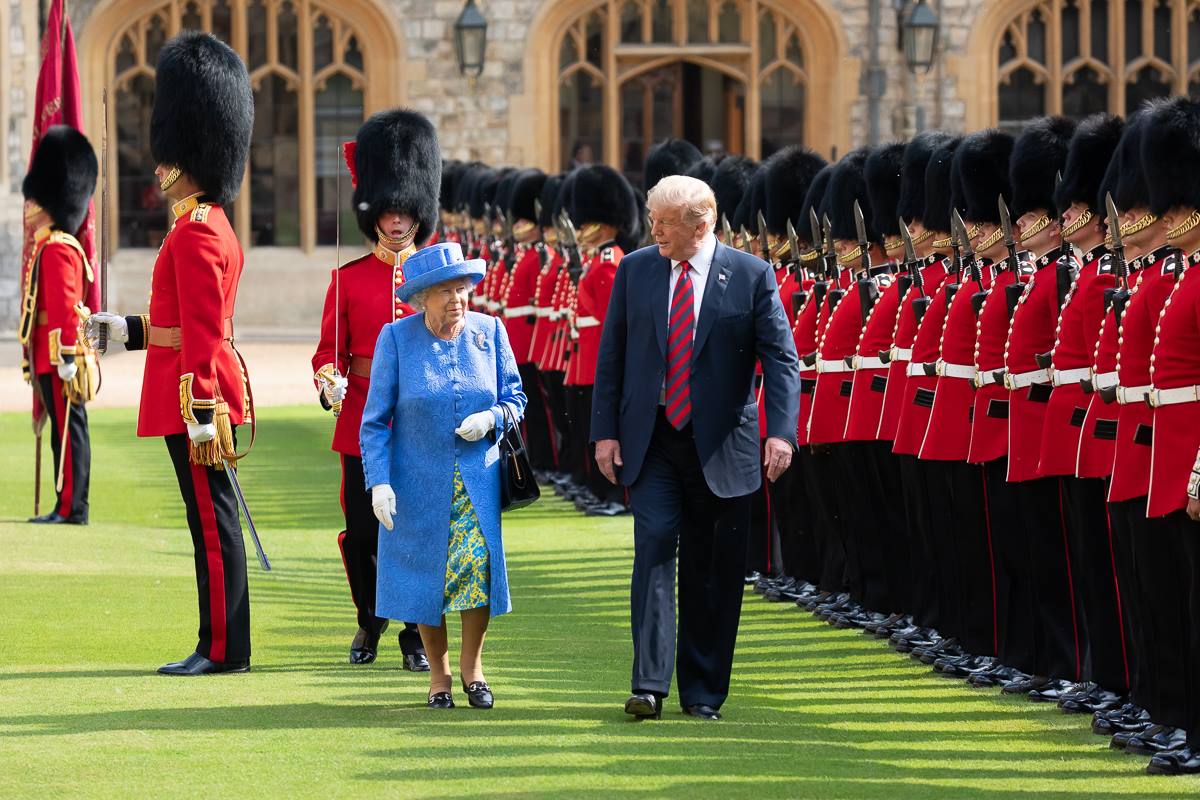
(317, 68)
(739, 76)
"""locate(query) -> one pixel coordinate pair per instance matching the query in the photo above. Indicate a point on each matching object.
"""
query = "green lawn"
(86, 614)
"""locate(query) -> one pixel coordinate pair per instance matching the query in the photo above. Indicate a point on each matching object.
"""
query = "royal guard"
(555, 355)
(606, 209)
(923, 273)
(856, 245)
(1094, 567)
(60, 366)
(394, 167)
(730, 182)
(545, 287)
(1160, 552)
(1172, 162)
(980, 175)
(669, 157)
(448, 220)
(196, 391)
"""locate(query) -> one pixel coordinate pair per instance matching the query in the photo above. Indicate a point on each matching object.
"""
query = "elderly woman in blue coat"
(439, 381)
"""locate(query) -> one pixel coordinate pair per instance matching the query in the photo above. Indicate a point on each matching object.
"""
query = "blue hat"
(432, 265)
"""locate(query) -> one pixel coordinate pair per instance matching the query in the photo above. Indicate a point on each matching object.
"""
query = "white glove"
(67, 370)
(476, 426)
(199, 434)
(118, 329)
(334, 388)
(383, 503)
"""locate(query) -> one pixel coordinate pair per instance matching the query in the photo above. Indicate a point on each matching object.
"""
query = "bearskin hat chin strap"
(404, 242)
(171, 179)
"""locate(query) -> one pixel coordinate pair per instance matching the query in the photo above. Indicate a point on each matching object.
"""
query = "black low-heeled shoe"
(479, 694)
(441, 700)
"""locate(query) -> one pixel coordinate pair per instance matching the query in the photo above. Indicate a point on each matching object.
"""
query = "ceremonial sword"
(241, 501)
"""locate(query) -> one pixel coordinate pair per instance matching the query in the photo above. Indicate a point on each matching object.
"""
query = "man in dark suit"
(674, 418)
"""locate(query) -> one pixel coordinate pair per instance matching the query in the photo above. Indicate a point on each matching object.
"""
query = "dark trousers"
(675, 512)
(960, 525)
(924, 577)
(584, 469)
(540, 435)
(797, 546)
(76, 462)
(818, 476)
(556, 399)
(1135, 620)
(1016, 603)
(865, 572)
(359, 545)
(1188, 534)
(889, 530)
(761, 549)
(1040, 504)
(1095, 582)
(212, 515)
(1160, 559)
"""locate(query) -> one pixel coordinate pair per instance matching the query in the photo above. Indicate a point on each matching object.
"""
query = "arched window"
(309, 68)
(730, 76)
(1077, 57)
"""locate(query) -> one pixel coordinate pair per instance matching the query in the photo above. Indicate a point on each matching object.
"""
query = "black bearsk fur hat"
(669, 157)
(939, 186)
(1038, 156)
(912, 173)
(883, 175)
(814, 199)
(847, 184)
(790, 173)
(549, 198)
(203, 113)
(598, 193)
(526, 189)
(754, 199)
(1171, 154)
(62, 177)
(730, 182)
(981, 165)
(399, 167)
(1131, 189)
(1088, 156)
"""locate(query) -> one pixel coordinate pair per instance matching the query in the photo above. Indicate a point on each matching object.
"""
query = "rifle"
(1117, 298)
(836, 293)
(793, 266)
(1012, 292)
(571, 252)
(820, 275)
(920, 304)
(968, 254)
(868, 291)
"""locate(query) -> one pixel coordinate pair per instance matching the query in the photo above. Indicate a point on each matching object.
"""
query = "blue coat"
(421, 390)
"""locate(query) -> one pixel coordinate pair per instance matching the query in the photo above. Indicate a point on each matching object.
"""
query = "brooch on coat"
(481, 340)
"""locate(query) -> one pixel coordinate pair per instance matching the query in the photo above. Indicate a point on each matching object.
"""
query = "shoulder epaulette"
(200, 212)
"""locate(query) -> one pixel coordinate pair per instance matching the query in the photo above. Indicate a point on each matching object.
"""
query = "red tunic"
(948, 435)
(1032, 333)
(361, 299)
(919, 388)
(990, 410)
(1075, 343)
(591, 307)
(1098, 438)
(804, 334)
(1176, 364)
(193, 288)
(871, 374)
(933, 274)
(520, 312)
(1135, 420)
(61, 275)
(835, 381)
(547, 280)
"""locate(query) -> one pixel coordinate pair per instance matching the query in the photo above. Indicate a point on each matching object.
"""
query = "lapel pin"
(722, 278)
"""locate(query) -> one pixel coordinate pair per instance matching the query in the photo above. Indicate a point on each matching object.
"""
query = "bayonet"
(764, 239)
(860, 226)
(814, 226)
(793, 245)
(920, 304)
(1010, 241)
(836, 293)
(1118, 245)
(726, 231)
(746, 240)
(968, 249)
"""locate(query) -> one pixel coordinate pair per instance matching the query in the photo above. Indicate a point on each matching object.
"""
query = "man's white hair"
(691, 196)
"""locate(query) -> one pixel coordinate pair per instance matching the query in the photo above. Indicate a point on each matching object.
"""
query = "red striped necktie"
(679, 350)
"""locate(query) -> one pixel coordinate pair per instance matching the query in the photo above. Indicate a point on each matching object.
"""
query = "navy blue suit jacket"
(741, 322)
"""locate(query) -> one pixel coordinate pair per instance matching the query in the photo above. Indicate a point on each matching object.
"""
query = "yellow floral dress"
(467, 575)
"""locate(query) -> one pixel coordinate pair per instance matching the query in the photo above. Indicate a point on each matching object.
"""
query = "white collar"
(702, 261)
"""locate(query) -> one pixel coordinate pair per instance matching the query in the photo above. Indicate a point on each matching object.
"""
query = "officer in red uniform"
(1171, 151)
(1109, 664)
(1036, 563)
(604, 206)
(196, 391)
(791, 549)
(918, 340)
(57, 189)
(394, 166)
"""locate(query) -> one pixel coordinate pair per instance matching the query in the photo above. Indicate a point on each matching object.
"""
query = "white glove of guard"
(383, 503)
(67, 370)
(334, 388)
(118, 329)
(199, 434)
(476, 426)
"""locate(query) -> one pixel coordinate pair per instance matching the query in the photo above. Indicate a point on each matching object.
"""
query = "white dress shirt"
(701, 263)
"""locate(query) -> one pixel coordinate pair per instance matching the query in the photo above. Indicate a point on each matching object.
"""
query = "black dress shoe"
(1121, 739)
(441, 700)
(416, 662)
(479, 694)
(1052, 692)
(752, 577)
(55, 518)
(1024, 685)
(606, 510)
(644, 705)
(999, 674)
(703, 712)
(196, 664)
(365, 647)
(1184, 761)
(1163, 740)
(1111, 725)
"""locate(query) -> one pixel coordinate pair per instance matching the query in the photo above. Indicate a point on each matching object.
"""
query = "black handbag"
(518, 487)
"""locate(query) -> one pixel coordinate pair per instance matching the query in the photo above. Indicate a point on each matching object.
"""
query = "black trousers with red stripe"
(924, 578)
(359, 544)
(1097, 598)
(1134, 618)
(556, 399)
(797, 552)
(76, 462)
(540, 435)
(819, 478)
(1188, 534)
(212, 515)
